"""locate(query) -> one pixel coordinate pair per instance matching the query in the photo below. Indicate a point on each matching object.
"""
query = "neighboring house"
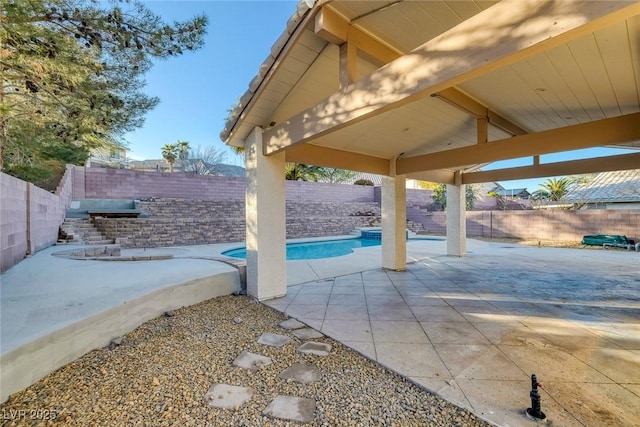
(159, 165)
(107, 156)
(194, 166)
(608, 190)
(511, 193)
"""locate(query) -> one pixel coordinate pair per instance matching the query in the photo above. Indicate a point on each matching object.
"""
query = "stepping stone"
(307, 333)
(291, 408)
(274, 340)
(251, 361)
(291, 324)
(300, 373)
(317, 348)
(227, 396)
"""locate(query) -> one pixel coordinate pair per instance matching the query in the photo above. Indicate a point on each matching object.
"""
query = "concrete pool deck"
(471, 329)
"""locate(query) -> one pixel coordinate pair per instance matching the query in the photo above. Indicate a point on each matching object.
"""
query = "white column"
(266, 226)
(394, 221)
(456, 218)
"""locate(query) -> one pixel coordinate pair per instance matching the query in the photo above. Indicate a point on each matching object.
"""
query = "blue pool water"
(316, 250)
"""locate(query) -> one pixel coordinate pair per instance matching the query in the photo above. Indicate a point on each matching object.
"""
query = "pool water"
(315, 250)
(323, 249)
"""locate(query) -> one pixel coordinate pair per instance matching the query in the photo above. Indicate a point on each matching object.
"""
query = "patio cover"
(433, 90)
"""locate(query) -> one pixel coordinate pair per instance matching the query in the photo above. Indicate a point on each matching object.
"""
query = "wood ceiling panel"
(563, 60)
(505, 92)
(311, 42)
(304, 54)
(633, 26)
(587, 55)
(464, 9)
(319, 81)
(615, 48)
(295, 66)
(554, 90)
(544, 99)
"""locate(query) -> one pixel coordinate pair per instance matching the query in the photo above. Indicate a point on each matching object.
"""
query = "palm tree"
(183, 149)
(170, 153)
(553, 189)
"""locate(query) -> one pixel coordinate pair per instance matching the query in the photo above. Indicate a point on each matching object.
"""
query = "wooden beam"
(460, 100)
(599, 133)
(508, 32)
(506, 125)
(439, 176)
(574, 167)
(348, 59)
(333, 28)
(330, 26)
(482, 125)
(332, 158)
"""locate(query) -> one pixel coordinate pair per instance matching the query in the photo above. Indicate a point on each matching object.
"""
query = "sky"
(197, 89)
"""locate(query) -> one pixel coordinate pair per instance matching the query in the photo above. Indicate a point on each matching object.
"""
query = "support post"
(394, 221)
(456, 217)
(266, 224)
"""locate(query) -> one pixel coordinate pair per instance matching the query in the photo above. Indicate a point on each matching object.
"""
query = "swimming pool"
(317, 250)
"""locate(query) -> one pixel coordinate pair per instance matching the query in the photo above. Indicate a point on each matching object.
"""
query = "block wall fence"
(30, 217)
(543, 225)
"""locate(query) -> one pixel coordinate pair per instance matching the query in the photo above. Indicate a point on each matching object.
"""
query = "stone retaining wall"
(174, 222)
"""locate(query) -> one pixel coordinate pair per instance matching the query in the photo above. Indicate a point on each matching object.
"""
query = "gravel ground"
(161, 371)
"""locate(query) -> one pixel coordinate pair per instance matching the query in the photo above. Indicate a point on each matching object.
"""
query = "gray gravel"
(160, 373)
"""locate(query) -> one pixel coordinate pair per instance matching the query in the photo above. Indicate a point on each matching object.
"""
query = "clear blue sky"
(197, 89)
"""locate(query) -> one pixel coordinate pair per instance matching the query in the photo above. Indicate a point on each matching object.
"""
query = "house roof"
(510, 191)
(609, 187)
(362, 84)
(214, 169)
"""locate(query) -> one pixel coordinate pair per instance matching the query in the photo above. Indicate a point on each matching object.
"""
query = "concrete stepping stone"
(304, 374)
(307, 333)
(291, 324)
(317, 348)
(291, 408)
(274, 340)
(227, 396)
(252, 361)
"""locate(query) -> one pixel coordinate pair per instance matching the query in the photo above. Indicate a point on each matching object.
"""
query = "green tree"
(170, 153)
(553, 189)
(440, 196)
(302, 172)
(335, 176)
(72, 74)
(427, 185)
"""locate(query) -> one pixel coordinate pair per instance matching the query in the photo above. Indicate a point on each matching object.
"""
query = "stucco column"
(265, 215)
(456, 218)
(394, 221)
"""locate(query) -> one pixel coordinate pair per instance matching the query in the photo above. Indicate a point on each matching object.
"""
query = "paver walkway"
(474, 329)
(290, 408)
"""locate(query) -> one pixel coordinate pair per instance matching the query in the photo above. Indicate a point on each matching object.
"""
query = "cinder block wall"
(103, 183)
(544, 225)
(13, 220)
(30, 216)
